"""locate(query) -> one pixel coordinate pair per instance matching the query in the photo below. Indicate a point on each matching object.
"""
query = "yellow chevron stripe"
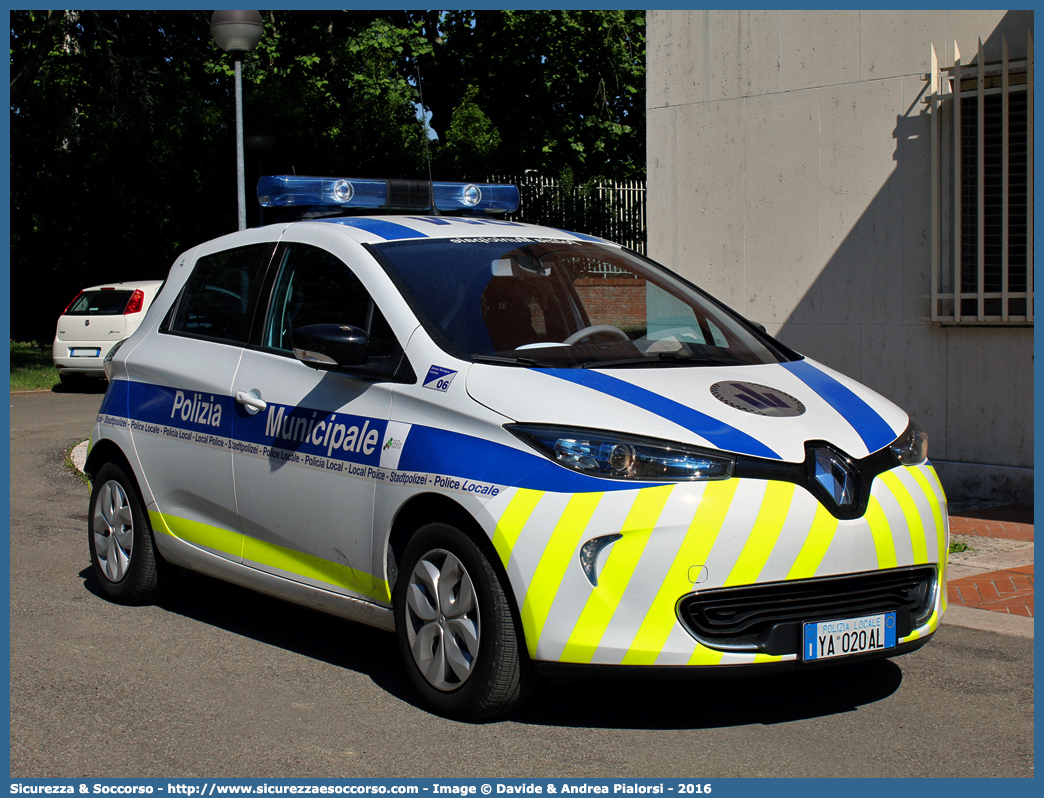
(763, 535)
(706, 656)
(936, 501)
(509, 527)
(882, 535)
(694, 550)
(261, 552)
(820, 536)
(940, 493)
(767, 658)
(553, 563)
(933, 502)
(912, 515)
(616, 574)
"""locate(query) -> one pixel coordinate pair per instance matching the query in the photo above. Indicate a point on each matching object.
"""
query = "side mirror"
(330, 346)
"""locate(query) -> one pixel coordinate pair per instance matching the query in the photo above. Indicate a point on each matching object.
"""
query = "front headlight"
(911, 448)
(608, 454)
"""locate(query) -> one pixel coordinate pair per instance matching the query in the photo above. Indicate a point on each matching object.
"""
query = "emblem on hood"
(758, 399)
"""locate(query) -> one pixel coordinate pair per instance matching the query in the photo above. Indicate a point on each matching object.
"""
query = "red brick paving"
(1010, 590)
(1011, 522)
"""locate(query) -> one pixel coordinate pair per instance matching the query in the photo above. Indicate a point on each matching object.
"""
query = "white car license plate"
(84, 352)
(826, 639)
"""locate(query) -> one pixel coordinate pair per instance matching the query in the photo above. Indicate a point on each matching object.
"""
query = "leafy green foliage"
(123, 122)
(565, 90)
(472, 141)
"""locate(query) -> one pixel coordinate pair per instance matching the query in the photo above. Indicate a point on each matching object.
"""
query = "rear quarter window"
(218, 299)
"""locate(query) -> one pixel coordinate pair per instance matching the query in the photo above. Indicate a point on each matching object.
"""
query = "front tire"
(456, 631)
(123, 553)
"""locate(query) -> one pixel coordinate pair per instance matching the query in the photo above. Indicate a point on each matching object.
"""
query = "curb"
(78, 455)
(988, 621)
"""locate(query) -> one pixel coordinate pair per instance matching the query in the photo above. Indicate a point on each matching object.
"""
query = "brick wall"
(619, 301)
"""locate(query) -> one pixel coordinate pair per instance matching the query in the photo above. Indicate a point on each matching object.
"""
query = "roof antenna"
(424, 135)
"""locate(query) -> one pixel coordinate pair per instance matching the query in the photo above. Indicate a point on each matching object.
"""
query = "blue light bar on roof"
(276, 191)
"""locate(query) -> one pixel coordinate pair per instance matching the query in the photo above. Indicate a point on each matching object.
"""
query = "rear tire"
(456, 631)
(123, 552)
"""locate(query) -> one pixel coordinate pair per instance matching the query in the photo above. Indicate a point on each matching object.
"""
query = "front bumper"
(690, 539)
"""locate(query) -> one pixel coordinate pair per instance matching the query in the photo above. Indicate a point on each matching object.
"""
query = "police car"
(520, 449)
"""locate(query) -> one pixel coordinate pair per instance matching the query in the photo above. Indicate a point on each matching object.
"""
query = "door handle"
(251, 400)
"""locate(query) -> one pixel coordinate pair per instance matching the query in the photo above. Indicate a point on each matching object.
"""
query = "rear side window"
(219, 298)
(99, 303)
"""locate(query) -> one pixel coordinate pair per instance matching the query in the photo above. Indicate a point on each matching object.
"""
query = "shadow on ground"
(661, 703)
(690, 703)
(83, 385)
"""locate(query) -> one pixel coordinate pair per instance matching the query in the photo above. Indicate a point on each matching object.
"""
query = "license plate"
(826, 639)
(84, 352)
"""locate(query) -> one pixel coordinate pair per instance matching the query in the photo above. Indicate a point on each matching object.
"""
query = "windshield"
(565, 304)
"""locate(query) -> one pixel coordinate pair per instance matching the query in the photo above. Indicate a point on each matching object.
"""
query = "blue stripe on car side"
(389, 231)
(719, 433)
(427, 449)
(866, 421)
(115, 401)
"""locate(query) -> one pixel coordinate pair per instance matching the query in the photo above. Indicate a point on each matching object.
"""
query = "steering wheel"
(593, 330)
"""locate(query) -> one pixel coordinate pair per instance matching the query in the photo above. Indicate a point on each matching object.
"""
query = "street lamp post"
(260, 140)
(237, 33)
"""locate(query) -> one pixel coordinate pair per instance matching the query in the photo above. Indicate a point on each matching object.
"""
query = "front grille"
(768, 618)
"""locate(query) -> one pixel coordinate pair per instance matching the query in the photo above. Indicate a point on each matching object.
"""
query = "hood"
(767, 411)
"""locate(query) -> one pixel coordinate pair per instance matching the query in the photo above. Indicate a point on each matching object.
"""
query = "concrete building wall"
(788, 173)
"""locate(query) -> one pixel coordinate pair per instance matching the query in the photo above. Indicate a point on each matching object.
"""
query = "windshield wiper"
(499, 360)
(660, 359)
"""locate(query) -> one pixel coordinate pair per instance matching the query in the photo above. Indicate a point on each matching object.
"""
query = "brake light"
(72, 303)
(135, 302)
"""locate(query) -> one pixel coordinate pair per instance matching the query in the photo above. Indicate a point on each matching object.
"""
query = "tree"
(101, 125)
(563, 90)
(123, 133)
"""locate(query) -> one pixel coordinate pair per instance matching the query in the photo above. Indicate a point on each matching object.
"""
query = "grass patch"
(959, 546)
(31, 367)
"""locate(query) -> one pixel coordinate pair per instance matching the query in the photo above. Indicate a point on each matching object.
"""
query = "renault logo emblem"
(835, 474)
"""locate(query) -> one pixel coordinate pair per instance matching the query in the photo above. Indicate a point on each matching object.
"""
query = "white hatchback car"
(98, 318)
(520, 449)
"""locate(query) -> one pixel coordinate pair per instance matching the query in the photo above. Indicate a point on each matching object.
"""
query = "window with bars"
(982, 199)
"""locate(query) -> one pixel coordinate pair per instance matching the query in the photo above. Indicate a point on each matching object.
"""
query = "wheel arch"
(108, 451)
(428, 508)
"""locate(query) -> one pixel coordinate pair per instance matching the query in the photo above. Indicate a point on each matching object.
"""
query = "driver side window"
(315, 287)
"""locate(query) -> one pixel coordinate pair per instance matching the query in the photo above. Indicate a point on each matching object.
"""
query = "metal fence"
(615, 211)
